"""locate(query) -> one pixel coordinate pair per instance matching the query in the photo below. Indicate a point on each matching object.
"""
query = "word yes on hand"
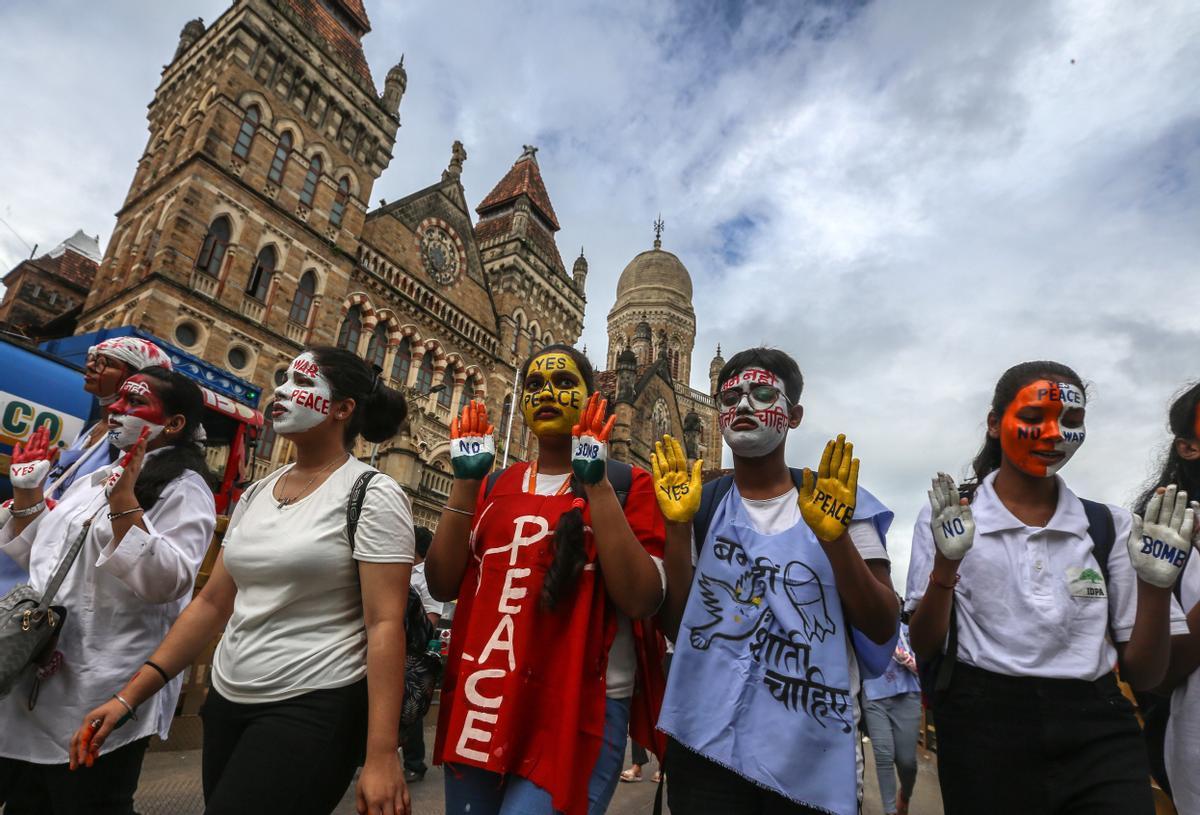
(675, 492)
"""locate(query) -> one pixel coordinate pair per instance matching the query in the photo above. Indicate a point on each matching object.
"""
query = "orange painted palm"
(589, 453)
(472, 445)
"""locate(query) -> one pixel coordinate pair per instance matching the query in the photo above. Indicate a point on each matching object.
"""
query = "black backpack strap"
(354, 504)
(620, 475)
(492, 478)
(1103, 532)
(710, 498)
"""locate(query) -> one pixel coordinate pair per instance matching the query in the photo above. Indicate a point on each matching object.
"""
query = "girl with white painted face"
(1174, 725)
(554, 572)
(146, 522)
(1024, 597)
(308, 677)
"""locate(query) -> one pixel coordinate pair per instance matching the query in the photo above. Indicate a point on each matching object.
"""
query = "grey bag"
(29, 624)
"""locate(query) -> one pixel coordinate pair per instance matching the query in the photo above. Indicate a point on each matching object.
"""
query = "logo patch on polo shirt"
(1087, 583)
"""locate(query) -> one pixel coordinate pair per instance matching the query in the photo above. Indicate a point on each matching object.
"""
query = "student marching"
(555, 565)
(1023, 598)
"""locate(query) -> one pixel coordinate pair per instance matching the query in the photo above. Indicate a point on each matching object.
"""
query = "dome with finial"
(580, 263)
(398, 74)
(627, 359)
(718, 362)
(654, 276)
(193, 28)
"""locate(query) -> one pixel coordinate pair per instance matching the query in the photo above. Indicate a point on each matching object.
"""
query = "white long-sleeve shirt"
(121, 600)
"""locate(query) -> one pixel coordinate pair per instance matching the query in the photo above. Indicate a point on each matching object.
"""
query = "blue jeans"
(892, 724)
(472, 791)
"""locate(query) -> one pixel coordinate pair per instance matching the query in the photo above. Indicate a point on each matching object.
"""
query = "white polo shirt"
(1031, 600)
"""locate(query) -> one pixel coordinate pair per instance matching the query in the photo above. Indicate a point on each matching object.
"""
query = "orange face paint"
(1043, 427)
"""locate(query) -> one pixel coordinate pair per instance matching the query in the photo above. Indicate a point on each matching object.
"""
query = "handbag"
(30, 624)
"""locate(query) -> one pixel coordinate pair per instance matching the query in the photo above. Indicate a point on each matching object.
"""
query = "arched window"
(401, 363)
(518, 327)
(468, 393)
(339, 203)
(212, 251)
(303, 301)
(446, 394)
(260, 276)
(425, 373)
(279, 162)
(241, 147)
(377, 345)
(351, 330)
(310, 181)
(266, 442)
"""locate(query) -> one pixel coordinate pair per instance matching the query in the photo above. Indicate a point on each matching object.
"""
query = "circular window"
(441, 252)
(187, 335)
(281, 376)
(238, 358)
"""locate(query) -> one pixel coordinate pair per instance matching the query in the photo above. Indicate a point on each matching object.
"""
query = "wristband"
(166, 679)
(934, 581)
(112, 516)
(25, 513)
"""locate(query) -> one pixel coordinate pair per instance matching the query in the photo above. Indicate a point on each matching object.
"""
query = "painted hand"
(589, 451)
(127, 469)
(1159, 546)
(677, 489)
(32, 462)
(950, 519)
(472, 447)
(827, 499)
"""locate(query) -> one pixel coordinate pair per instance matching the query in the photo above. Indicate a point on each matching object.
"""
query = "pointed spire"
(524, 178)
(658, 230)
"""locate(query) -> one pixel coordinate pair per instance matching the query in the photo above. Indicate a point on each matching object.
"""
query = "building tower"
(244, 214)
(654, 298)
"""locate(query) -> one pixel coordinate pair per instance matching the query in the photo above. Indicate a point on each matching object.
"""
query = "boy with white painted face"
(777, 581)
(1023, 597)
(308, 677)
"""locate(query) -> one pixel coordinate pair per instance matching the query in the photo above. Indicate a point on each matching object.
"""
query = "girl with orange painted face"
(1024, 598)
(552, 656)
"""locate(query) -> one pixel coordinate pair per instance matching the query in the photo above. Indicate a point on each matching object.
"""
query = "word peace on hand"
(472, 446)
(676, 487)
(950, 519)
(1159, 545)
(589, 452)
(827, 500)
(31, 462)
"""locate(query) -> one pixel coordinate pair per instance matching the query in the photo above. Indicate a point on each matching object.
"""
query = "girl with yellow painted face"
(1023, 598)
(554, 574)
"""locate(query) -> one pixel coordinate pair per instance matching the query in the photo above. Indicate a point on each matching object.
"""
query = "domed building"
(651, 336)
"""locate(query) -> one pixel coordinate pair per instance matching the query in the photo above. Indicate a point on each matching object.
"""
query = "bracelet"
(166, 679)
(128, 707)
(112, 516)
(25, 513)
(950, 587)
(448, 508)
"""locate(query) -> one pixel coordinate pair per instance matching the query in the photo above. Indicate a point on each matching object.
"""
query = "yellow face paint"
(553, 395)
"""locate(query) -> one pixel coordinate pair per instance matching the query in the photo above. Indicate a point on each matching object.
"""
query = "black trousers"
(105, 788)
(1039, 747)
(296, 756)
(697, 786)
(412, 740)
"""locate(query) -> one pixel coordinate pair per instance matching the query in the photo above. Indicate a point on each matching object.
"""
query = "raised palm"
(950, 519)
(827, 499)
(676, 486)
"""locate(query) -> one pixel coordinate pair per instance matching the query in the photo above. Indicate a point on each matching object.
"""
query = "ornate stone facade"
(44, 289)
(246, 235)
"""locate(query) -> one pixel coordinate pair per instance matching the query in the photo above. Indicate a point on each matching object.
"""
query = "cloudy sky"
(907, 196)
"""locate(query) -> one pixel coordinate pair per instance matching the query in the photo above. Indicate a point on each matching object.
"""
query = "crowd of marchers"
(1027, 609)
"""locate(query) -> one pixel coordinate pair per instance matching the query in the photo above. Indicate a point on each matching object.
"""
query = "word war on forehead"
(306, 365)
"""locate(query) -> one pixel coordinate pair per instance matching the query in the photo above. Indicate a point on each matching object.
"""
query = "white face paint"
(123, 431)
(304, 400)
(757, 422)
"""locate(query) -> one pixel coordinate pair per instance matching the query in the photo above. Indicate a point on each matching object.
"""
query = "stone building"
(651, 336)
(43, 289)
(246, 235)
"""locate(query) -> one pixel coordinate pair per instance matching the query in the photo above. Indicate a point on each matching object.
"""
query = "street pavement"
(170, 783)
